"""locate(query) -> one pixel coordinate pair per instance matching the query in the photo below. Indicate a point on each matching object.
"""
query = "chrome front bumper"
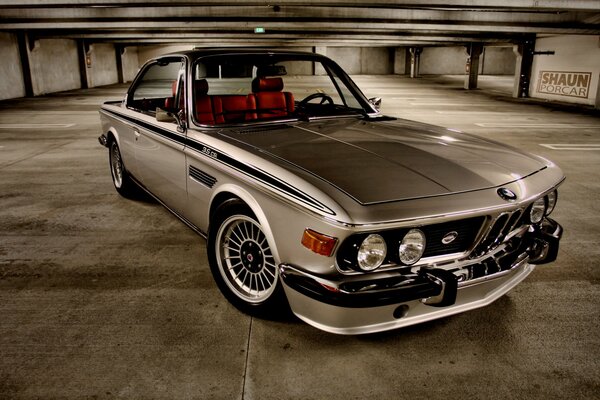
(388, 300)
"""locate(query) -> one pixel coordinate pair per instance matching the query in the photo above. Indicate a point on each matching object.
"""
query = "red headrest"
(174, 88)
(201, 87)
(267, 85)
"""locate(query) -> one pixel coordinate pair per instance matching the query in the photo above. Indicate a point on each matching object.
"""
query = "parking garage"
(103, 297)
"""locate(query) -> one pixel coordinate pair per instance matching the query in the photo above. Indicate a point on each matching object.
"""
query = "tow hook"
(446, 281)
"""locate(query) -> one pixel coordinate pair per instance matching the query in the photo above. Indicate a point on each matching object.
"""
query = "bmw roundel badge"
(507, 194)
(449, 237)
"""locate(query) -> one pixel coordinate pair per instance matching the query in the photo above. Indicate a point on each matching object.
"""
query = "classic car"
(312, 200)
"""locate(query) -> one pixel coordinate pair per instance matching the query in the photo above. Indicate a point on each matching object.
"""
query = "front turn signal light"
(318, 243)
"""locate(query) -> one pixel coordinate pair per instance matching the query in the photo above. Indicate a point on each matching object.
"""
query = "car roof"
(212, 51)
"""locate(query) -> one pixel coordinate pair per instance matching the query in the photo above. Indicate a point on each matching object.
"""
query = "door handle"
(136, 133)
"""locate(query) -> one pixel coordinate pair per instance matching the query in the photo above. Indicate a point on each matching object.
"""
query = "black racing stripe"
(208, 151)
(257, 174)
(153, 128)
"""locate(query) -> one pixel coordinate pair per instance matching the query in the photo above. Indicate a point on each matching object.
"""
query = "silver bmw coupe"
(311, 200)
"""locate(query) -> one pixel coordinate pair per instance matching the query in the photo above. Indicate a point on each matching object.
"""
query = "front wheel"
(242, 262)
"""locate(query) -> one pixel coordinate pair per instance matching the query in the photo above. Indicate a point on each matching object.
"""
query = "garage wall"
(103, 67)
(54, 66)
(11, 84)
(498, 61)
(131, 63)
(453, 60)
(571, 74)
(362, 60)
(443, 61)
(147, 52)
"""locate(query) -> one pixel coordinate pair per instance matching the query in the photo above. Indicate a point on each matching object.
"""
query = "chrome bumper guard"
(435, 287)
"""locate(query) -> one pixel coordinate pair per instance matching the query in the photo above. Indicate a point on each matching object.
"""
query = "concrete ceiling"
(300, 22)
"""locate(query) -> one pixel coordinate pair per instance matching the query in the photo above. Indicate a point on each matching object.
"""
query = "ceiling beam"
(583, 5)
(25, 15)
(273, 26)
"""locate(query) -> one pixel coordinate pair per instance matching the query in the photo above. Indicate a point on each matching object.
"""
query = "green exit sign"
(259, 29)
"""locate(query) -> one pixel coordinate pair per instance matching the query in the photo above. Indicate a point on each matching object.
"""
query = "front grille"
(202, 177)
(465, 232)
(496, 234)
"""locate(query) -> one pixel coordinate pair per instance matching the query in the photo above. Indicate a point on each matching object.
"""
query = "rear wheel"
(121, 179)
(242, 262)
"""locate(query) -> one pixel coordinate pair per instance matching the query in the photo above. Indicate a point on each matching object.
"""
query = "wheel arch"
(229, 192)
(112, 135)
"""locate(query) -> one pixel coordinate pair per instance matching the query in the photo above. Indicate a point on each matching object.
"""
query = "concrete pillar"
(119, 50)
(82, 59)
(597, 104)
(474, 51)
(415, 60)
(407, 60)
(23, 41)
(524, 53)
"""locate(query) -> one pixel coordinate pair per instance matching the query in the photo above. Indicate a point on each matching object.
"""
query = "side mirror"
(375, 102)
(165, 116)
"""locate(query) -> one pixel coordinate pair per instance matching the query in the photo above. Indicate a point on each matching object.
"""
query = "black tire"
(125, 186)
(242, 263)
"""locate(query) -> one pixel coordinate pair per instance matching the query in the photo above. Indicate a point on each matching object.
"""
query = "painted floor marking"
(457, 104)
(534, 125)
(34, 126)
(481, 113)
(571, 146)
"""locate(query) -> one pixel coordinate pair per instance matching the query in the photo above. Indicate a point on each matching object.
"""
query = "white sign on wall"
(564, 83)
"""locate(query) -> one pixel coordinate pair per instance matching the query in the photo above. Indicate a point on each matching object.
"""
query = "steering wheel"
(324, 98)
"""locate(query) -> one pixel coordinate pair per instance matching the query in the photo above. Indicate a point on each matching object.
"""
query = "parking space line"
(34, 126)
(534, 125)
(433, 103)
(444, 112)
(571, 146)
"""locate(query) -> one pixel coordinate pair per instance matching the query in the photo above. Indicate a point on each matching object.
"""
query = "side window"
(157, 87)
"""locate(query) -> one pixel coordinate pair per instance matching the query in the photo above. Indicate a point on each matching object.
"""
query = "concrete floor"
(102, 297)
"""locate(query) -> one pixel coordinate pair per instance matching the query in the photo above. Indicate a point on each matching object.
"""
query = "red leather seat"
(269, 100)
(204, 106)
(220, 109)
(170, 101)
(230, 108)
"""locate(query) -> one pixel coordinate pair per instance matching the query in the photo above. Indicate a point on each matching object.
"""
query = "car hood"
(375, 161)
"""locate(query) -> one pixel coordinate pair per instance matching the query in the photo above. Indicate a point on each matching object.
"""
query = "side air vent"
(202, 177)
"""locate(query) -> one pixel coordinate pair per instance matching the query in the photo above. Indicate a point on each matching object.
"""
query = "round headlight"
(412, 247)
(552, 198)
(537, 211)
(372, 252)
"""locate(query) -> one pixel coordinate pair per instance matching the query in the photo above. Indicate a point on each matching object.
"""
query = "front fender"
(252, 202)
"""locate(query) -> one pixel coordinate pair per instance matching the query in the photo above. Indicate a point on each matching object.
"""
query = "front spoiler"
(351, 297)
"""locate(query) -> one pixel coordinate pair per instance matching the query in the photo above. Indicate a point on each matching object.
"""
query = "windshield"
(245, 88)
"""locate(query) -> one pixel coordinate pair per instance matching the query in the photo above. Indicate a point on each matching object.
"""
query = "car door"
(159, 139)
